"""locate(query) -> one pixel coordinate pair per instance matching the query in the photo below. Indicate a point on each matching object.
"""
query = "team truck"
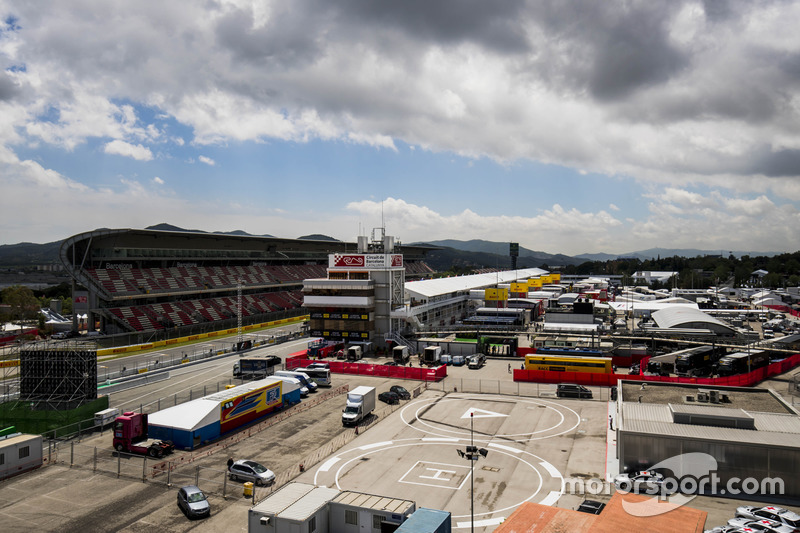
(360, 403)
(255, 367)
(400, 355)
(431, 355)
(130, 435)
(354, 353)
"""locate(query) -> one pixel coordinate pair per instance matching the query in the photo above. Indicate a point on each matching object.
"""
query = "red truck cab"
(130, 435)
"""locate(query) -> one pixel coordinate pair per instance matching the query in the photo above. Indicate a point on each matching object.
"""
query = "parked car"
(568, 390)
(476, 361)
(645, 481)
(764, 524)
(324, 366)
(614, 393)
(193, 502)
(389, 397)
(591, 507)
(724, 529)
(770, 512)
(251, 471)
(401, 392)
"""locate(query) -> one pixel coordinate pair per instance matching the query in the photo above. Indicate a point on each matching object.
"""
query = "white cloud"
(138, 152)
(519, 81)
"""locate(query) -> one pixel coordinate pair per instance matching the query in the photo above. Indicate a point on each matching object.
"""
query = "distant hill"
(654, 253)
(170, 227)
(501, 249)
(473, 253)
(26, 254)
(317, 237)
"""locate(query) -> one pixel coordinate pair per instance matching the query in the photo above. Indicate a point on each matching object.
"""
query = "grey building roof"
(308, 504)
(771, 429)
(283, 498)
(371, 501)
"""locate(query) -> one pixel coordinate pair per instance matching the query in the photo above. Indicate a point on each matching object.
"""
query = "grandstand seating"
(191, 280)
(118, 282)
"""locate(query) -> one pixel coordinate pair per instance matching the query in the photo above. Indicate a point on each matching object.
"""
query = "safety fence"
(606, 380)
(183, 468)
(506, 388)
(366, 369)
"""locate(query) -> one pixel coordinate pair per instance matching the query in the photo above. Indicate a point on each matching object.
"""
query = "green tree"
(772, 280)
(24, 305)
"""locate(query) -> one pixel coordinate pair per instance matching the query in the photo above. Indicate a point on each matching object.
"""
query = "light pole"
(472, 454)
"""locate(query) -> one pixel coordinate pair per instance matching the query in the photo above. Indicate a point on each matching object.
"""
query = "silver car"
(765, 524)
(193, 502)
(770, 512)
(643, 482)
(251, 471)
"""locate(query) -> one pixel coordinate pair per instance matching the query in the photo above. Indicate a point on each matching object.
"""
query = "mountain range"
(472, 253)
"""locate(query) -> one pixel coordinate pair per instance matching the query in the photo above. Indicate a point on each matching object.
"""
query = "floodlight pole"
(471, 477)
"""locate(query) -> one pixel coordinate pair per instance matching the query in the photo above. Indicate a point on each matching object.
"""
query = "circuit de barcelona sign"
(365, 261)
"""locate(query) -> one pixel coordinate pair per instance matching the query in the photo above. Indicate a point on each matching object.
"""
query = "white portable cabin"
(20, 453)
(354, 512)
(295, 508)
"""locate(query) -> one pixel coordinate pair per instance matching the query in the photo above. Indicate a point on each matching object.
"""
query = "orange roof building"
(630, 512)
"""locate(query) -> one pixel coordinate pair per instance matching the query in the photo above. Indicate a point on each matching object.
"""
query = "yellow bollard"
(248, 489)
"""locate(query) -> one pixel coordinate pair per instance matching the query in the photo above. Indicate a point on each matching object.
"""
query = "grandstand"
(142, 281)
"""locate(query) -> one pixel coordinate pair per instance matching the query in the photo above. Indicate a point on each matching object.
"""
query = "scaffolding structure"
(58, 375)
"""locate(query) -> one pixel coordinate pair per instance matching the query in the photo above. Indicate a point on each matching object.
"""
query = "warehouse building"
(750, 433)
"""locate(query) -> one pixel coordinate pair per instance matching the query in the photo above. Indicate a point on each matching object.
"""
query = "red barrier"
(606, 380)
(523, 351)
(364, 369)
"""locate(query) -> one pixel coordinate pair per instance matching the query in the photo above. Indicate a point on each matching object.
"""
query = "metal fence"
(508, 388)
(180, 470)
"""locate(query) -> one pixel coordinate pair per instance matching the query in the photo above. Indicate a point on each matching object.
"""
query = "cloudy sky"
(567, 126)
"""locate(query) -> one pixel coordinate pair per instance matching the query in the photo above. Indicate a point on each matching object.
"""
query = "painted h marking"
(436, 476)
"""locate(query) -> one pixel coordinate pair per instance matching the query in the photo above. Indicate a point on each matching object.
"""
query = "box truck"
(431, 355)
(360, 403)
(354, 353)
(400, 355)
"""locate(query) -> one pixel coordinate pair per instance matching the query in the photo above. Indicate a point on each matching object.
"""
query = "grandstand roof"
(429, 288)
(132, 244)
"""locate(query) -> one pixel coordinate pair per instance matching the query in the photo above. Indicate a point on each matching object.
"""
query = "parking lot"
(533, 440)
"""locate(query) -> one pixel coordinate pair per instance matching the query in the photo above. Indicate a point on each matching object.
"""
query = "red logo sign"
(397, 260)
(348, 261)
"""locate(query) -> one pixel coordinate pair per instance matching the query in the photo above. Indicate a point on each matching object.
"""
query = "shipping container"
(19, 453)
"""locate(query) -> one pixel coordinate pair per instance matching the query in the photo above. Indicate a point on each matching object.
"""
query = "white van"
(303, 388)
(304, 378)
